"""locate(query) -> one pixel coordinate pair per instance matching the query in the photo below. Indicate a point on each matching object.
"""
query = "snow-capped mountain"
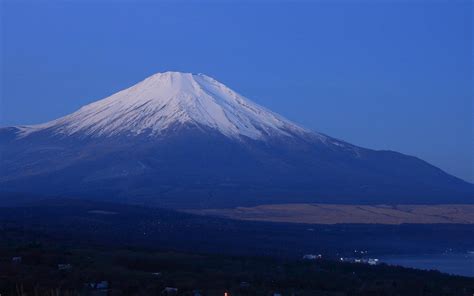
(186, 140)
(169, 99)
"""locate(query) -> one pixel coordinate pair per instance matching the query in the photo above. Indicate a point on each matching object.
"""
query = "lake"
(452, 263)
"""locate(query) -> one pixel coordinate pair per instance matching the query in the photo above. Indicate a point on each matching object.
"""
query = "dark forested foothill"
(115, 271)
(87, 248)
(82, 223)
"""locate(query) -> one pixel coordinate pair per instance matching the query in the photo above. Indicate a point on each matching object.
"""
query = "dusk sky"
(384, 75)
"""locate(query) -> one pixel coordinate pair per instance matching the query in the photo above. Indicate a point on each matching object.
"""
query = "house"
(350, 260)
(169, 291)
(370, 261)
(102, 285)
(64, 267)
(17, 259)
(312, 257)
(244, 285)
(98, 288)
(373, 261)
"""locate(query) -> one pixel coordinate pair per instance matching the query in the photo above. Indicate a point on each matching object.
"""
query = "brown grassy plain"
(336, 213)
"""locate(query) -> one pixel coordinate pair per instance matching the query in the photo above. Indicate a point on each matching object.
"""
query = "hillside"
(182, 140)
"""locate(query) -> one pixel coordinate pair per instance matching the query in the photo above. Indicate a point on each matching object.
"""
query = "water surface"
(452, 263)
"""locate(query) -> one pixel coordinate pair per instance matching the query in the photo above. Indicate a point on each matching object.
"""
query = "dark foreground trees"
(131, 272)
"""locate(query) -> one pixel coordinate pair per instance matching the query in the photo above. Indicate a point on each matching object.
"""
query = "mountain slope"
(166, 99)
(184, 140)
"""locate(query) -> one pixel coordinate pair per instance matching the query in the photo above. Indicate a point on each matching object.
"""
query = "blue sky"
(380, 74)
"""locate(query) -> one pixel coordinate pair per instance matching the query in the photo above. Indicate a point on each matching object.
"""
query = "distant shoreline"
(451, 263)
(348, 214)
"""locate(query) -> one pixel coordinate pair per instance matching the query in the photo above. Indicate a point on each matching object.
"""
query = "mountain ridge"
(168, 98)
(157, 143)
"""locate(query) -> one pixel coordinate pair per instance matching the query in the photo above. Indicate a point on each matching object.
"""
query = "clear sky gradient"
(380, 74)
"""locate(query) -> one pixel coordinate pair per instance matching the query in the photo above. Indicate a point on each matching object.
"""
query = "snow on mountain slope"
(184, 140)
(166, 99)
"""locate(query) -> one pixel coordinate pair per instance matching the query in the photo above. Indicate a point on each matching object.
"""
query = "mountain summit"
(171, 99)
(186, 140)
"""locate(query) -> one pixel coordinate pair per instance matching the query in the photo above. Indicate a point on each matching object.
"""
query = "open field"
(335, 214)
(85, 222)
